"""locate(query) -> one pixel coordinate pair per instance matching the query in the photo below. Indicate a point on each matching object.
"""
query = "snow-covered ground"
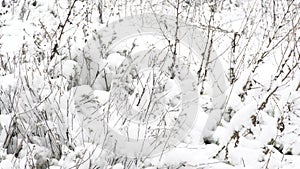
(60, 67)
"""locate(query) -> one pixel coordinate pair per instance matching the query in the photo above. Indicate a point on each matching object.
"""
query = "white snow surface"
(40, 99)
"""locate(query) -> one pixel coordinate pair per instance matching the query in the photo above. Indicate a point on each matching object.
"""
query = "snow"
(117, 166)
(6, 164)
(49, 105)
(102, 96)
(8, 82)
(5, 120)
(115, 60)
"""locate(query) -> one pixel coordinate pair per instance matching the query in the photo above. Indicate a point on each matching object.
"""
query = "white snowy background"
(257, 42)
